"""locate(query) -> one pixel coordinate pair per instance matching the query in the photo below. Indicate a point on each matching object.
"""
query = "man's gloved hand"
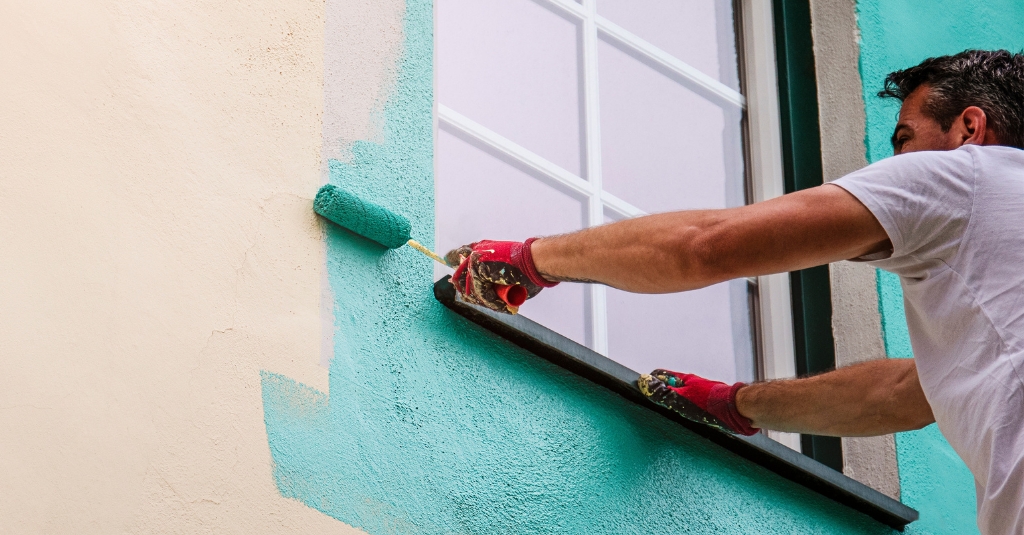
(485, 266)
(697, 399)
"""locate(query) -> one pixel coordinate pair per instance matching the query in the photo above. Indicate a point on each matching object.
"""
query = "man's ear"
(973, 126)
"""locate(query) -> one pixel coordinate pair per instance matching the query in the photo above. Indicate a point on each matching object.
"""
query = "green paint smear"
(434, 426)
(896, 34)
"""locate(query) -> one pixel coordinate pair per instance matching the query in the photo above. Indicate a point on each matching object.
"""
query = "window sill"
(759, 449)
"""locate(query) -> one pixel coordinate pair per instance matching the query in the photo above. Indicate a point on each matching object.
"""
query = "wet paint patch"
(434, 426)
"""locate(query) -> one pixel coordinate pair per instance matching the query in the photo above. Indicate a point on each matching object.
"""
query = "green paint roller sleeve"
(364, 218)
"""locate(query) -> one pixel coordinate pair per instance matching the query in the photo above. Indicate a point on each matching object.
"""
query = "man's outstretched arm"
(676, 251)
(873, 398)
(686, 250)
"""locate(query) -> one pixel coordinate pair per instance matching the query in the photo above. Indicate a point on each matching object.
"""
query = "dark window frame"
(811, 289)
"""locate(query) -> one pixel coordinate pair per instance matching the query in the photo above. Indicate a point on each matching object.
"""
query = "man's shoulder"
(996, 157)
(904, 170)
(956, 158)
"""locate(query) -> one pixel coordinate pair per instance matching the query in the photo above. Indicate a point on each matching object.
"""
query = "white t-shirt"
(956, 221)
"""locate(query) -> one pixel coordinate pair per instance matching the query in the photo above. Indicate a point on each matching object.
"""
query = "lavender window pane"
(701, 33)
(664, 147)
(513, 66)
(479, 196)
(705, 331)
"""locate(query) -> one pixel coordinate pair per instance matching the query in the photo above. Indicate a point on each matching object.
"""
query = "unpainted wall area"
(431, 425)
(895, 35)
(856, 324)
(157, 250)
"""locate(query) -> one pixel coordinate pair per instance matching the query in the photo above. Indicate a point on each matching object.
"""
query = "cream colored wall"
(158, 249)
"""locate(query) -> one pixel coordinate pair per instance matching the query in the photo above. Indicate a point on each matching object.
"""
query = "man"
(946, 214)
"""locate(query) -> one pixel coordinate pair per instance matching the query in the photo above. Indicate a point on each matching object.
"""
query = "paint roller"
(388, 229)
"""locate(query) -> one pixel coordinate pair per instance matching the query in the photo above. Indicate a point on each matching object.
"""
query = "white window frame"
(764, 159)
(763, 147)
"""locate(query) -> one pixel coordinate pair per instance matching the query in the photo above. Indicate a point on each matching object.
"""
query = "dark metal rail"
(599, 369)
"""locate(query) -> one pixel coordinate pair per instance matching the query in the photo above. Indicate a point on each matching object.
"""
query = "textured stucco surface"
(431, 425)
(899, 34)
(856, 323)
(157, 250)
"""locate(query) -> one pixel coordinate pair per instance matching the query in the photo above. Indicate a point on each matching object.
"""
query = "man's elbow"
(707, 258)
(913, 408)
(919, 418)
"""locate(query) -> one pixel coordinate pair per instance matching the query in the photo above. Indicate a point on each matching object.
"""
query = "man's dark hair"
(990, 80)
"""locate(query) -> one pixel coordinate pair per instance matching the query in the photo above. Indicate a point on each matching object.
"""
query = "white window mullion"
(569, 7)
(595, 212)
(620, 208)
(710, 87)
(778, 358)
(545, 169)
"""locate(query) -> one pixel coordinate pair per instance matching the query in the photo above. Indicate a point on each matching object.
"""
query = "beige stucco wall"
(158, 249)
(856, 322)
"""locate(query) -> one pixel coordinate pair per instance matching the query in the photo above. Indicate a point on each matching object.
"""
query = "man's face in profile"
(916, 131)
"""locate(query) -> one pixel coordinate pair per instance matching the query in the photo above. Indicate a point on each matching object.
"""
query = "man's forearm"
(655, 254)
(686, 250)
(874, 398)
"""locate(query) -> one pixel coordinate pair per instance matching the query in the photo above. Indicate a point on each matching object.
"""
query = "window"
(554, 115)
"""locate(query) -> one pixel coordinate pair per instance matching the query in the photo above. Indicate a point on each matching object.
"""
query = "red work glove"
(499, 275)
(697, 399)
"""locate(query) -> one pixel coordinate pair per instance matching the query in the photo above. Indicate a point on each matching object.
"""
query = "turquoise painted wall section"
(894, 319)
(897, 34)
(432, 425)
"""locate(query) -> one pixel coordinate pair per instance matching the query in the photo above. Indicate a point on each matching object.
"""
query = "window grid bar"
(620, 207)
(569, 7)
(553, 173)
(700, 81)
(592, 112)
(548, 170)
(703, 82)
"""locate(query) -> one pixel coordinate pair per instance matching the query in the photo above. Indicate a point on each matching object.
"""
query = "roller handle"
(512, 294)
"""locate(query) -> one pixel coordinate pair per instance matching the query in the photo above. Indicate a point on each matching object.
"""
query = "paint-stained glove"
(697, 399)
(499, 275)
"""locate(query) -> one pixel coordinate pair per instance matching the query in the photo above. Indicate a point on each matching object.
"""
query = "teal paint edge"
(894, 35)
(894, 319)
(432, 425)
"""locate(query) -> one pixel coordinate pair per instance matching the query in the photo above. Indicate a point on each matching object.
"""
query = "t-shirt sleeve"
(923, 200)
